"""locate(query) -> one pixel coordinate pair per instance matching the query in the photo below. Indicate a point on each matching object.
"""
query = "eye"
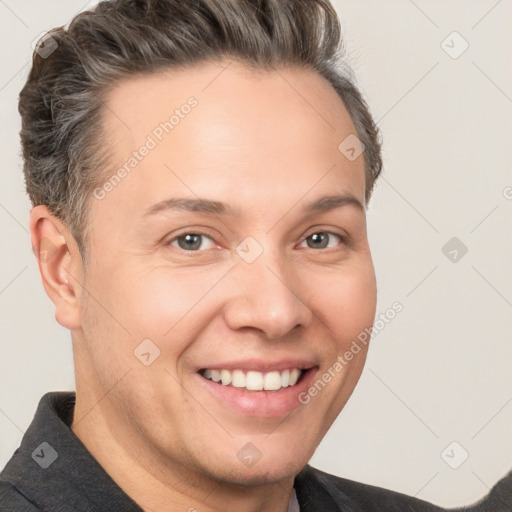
(191, 242)
(322, 240)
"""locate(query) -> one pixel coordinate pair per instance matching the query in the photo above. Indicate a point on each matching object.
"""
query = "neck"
(158, 484)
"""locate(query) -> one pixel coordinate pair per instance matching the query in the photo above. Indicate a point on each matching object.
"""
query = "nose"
(263, 298)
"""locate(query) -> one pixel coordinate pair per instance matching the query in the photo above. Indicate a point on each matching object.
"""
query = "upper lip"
(261, 365)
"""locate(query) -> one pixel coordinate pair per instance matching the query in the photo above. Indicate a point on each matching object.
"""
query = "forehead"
(277, 128)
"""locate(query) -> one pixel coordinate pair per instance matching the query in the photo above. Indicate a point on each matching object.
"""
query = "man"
(199, 173)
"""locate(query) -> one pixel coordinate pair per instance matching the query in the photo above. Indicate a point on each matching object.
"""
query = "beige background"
(440, 371)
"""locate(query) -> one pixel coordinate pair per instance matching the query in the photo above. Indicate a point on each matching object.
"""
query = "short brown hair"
(61, 102)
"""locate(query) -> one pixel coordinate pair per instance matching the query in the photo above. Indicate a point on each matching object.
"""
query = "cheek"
(154, 304)
(345, 301)
(161, 303)
(166, 305)
(128, 307)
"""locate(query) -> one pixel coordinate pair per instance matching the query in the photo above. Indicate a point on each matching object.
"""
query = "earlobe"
(59, 263)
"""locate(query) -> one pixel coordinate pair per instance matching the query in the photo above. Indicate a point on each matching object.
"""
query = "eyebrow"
(320, 205)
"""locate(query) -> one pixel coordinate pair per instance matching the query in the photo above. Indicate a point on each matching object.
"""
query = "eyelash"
(343, 240)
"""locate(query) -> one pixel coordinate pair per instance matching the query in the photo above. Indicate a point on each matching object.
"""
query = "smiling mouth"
(255, 380)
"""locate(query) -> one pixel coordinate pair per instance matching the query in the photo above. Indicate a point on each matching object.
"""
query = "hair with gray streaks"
(62, 102)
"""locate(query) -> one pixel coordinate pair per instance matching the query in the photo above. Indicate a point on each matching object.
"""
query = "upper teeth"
(254, 381)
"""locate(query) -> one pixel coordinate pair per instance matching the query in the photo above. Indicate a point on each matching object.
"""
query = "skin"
(267, 144)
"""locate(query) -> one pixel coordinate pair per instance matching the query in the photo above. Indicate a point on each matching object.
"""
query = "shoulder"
(364, 497)
(13, 501)
(22, 483)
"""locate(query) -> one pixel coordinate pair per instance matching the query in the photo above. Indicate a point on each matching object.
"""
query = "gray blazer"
(52, 471)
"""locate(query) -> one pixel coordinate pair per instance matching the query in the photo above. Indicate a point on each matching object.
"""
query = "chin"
(261, 474)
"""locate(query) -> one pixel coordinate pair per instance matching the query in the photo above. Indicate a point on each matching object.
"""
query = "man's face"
(295, 294)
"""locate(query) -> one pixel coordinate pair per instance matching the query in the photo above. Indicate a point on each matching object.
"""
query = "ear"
(60, 265)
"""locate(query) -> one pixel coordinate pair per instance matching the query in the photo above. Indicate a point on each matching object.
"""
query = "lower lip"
(264, 404)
